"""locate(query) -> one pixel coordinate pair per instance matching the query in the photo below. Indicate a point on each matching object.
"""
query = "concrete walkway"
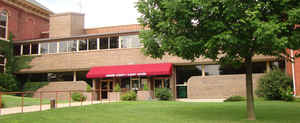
(36, 108)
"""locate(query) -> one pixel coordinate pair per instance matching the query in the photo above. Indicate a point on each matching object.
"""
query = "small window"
(34, 48)
(44, 48)
(93, 44)
(125, 83)
(53, 47)
(3, 24)
(114, 42)
(82, 45)
(26, 49)
(17, 49)
(103, 43)
(131, 41)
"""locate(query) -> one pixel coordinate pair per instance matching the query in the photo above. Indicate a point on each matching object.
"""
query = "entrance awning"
(130, 70)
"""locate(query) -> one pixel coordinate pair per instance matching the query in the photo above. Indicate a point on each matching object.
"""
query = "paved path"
(36, 108)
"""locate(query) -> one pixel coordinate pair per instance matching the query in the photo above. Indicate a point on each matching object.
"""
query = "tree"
(13, 64)
(227, 31)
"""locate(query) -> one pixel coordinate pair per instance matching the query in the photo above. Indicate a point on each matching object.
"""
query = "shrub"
(7, 82)
(3, 104)
(78, 97)
(129, 96)
(88, 88)
(287, 94)
(33, 86)
(117, 88)
(235, 99)
(163, 93)
(273, 85)
(146, 87)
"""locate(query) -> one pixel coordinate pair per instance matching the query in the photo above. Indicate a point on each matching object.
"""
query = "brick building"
(106, 56)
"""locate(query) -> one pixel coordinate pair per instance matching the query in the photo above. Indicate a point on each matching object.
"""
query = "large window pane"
(103, 43)
(114, 42)
(44, 48)
(26, 49)
(72, 46)
(131, 41)
(53, 47)
(125, 83)
(2, 32)
(82, 45)
(92, 44)
(34, 48)
(183, 73)
(17, 49)
(63, 46)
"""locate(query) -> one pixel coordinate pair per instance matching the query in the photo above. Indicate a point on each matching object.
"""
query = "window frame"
(6, 26)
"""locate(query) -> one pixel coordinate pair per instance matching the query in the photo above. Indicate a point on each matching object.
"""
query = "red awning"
(130, 70)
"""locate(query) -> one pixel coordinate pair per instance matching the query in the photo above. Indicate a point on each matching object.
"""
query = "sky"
(98, 13)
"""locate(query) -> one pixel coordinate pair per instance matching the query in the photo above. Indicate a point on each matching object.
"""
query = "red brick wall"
(24, 25)
(297, 72)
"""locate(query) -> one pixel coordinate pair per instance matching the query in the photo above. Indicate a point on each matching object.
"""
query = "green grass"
(14, 101)
(164, 112)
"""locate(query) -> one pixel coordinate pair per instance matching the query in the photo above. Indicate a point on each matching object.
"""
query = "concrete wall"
(60, 86)
(66, 25)
(24, 25)
(218, 87)
(83, 61)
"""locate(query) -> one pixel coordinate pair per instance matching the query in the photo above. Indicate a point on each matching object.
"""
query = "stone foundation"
(61, 86)
(114, 96)
(218, 87)
(144, 95)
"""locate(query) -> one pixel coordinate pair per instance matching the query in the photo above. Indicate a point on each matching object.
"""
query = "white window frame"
(6, 27)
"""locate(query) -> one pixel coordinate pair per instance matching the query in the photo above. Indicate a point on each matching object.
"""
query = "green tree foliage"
(227, 31)
(13, 65)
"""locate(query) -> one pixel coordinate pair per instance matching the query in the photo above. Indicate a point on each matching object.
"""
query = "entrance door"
(106, 86)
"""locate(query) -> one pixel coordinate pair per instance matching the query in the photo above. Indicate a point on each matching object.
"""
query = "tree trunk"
(249, 88)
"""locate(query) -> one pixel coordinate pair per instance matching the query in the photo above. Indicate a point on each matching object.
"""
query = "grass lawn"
(164, 112)
(14, 101)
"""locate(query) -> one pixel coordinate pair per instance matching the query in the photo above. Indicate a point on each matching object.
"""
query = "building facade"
(65, 52)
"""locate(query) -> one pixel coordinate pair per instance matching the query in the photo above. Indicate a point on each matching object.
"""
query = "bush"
(163, 93)
(274, 85)
(3, 104)
(146, 87)
(7, 82)
(129, 96)
(33, 86)
(117, 88)
(88, 88)
(287, 94)
(235, 99)
(78, 97)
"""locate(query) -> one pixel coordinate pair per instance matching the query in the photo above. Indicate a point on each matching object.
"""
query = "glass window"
(103, 43)
(63, 46)
(93, 44)
(183, 73)
(17, 49)
(135, 83)
(114, 42)
(158, 83)
(131, 41)
(166, 83)
(212, 70)
(53, 47)
(26, 49)
(2, 59)
(3, 24)
(2, 69)
(34, 48)
(82, 45)
(44, 48)
(72, 46)
(125, 83)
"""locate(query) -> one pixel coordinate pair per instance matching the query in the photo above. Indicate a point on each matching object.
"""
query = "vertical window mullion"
(108, 43)
(30, 48)
(98, 43)
(21, 51)
(57, 47)
(39, 49)
(87, 44)
(77, 48)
